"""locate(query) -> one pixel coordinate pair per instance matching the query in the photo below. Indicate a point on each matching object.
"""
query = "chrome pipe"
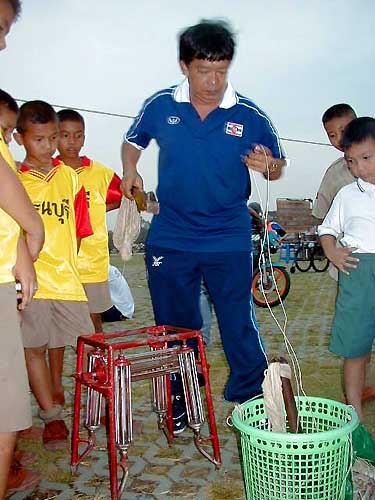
(123, 403)
(159, 395)
(193, 400)
(125, 472)
(95, 359)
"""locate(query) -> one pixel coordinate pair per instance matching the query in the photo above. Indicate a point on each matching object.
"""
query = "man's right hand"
(130, 183)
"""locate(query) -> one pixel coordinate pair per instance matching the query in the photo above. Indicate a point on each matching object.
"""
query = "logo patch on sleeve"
(232, 128)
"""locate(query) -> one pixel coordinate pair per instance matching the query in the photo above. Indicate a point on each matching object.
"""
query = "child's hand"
(24, 272)
(343, 259)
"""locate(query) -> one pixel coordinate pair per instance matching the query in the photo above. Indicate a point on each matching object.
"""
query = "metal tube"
(123, 403)
(190, 384)
(95, 361)
(210, 409)
(159, 393)
(77, 406)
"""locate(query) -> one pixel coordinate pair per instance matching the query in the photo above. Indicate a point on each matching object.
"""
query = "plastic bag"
(363, 444)
(363, 447)
(127, 228)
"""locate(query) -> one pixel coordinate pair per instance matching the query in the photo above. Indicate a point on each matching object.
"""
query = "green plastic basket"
(312, 465)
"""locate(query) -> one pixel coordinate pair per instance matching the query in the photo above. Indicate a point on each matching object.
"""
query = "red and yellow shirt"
(9, 229)
(102, 187)
(60, 200)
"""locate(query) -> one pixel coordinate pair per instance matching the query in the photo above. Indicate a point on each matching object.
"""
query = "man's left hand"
(260, 160)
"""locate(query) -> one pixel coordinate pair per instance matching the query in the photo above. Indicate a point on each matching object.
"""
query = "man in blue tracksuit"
(207, 134)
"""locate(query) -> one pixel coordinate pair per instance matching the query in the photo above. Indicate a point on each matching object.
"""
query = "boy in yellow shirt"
(15, 211)
(8, 120)
(59, 312)
(19, 478)
(103, 193)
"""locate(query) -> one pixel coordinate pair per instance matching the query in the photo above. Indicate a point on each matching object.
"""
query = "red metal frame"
(156, 338)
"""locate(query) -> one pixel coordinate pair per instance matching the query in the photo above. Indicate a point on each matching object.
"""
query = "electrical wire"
(131, 117)
(86, 110)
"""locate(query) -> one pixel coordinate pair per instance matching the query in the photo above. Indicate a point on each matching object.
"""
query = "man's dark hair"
(338, 111)
(16, 6)
(8, 101)
(357, 131)
(211, 40)
(36, 112)
(70, 115)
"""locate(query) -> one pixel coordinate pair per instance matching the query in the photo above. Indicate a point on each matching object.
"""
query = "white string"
(265, 243)
(239, 409)
(292, 354)
(350, 467)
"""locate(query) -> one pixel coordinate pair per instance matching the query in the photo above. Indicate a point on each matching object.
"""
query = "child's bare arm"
(16, 203)
(341, 257)
(24, 272)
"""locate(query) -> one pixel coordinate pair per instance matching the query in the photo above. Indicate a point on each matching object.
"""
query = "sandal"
(20, 479)
(55, 435)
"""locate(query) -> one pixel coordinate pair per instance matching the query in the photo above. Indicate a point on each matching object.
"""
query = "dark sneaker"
(201, 380)
(179, 414)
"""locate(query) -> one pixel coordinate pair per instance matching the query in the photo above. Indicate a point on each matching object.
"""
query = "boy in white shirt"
(352, 213)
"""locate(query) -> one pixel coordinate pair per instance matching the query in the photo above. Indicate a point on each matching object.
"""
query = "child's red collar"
(25, 168)
(85, 162)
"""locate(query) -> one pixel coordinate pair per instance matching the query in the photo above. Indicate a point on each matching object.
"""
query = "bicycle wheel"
(264, 288)
(319, 260)
(303, 260)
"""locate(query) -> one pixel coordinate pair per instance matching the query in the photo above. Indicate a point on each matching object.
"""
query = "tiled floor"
(179, 471)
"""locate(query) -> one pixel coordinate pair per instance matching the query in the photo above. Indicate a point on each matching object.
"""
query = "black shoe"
(179, 414)
(201, 380)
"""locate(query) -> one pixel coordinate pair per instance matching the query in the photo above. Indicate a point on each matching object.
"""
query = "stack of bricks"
(294, 215)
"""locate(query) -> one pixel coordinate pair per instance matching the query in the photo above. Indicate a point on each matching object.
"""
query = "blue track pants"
(174, 279)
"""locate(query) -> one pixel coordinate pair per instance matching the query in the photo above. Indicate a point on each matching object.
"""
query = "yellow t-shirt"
(5, 153)
(9, 229)
(101, 185)
(53, 195)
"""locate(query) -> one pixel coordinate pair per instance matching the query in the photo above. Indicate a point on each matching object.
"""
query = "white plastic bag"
(127, 228)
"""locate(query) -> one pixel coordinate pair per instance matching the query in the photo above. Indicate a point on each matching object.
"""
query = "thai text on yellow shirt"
(53, 196)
